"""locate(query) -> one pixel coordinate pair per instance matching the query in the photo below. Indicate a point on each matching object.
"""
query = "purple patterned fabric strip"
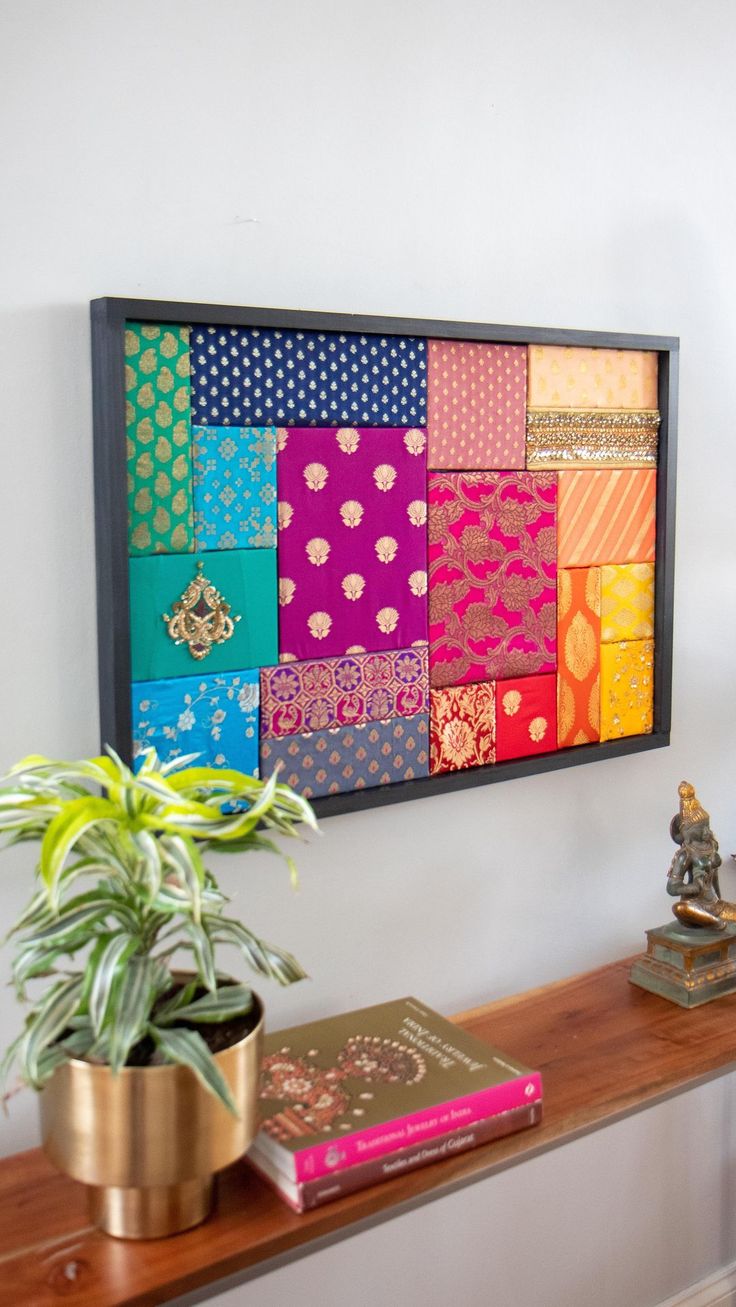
(329, 692)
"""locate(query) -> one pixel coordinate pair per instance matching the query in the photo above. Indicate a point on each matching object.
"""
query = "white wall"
(553, 162)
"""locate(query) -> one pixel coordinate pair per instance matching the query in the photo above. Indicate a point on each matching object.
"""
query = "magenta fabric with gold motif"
(329, 692)
(526, 716)
(352, 550)
(492, 575)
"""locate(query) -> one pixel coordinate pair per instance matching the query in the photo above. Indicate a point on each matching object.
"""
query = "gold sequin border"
(559, 438)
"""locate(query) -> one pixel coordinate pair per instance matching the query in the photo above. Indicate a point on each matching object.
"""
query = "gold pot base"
(151, 1212)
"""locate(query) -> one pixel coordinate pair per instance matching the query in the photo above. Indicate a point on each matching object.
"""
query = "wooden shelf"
(605, 1048)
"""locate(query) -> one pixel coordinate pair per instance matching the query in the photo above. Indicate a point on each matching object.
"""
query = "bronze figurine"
(693, 873)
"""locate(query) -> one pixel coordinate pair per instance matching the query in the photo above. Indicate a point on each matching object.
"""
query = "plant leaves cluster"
(121, 891)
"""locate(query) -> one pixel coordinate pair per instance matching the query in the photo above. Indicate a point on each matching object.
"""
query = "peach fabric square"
(563, 376)
(578, 656)
(476, 405)
(606, 516)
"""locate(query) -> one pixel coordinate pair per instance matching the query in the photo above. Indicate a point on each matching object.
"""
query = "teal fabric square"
(215, 717)
(245, 579)
(234, 487)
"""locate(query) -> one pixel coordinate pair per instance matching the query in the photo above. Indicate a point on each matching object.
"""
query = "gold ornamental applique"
(201, 617)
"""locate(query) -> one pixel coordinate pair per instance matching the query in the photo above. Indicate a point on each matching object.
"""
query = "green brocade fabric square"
(158, 425)
(245, 579)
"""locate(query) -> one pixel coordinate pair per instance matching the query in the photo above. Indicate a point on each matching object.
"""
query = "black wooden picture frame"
(109, 316)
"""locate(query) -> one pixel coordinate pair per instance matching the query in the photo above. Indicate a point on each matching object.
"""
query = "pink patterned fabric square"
(476, 404)
(492, 575)
(352, 544)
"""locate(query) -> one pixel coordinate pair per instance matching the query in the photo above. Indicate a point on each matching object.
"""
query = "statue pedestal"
(687, 966)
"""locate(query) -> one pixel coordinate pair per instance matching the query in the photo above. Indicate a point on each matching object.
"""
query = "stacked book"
(355, 1099)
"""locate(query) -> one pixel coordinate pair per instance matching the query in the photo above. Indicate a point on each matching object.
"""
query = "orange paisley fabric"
(578, 655)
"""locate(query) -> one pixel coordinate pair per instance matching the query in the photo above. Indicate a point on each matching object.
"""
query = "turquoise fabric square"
(213, 716)
(234, 487)
(245, 579)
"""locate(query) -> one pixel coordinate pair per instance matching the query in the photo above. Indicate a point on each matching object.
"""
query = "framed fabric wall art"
(392, 557)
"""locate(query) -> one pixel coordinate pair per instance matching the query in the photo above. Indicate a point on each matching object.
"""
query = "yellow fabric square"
(627, 688)
(627, 602)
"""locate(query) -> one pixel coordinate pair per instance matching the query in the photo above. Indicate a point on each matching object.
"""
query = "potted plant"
(147, 1071)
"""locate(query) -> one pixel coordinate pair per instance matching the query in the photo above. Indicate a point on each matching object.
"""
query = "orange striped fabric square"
(606, 516)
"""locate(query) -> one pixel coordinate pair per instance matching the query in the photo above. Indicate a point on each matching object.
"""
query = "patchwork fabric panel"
(578, 656)
(157, 419)
(351, 757)
(256, 376)
(245, 580)
(492, 592)
(332, 692)
(234, 487)
(563, 376)
(476, 404)
(462, 727)
(627, 688)
(627, 602)
(526, 716)
(213, 716)
(429, 554)
(606, 516)
(352, 541)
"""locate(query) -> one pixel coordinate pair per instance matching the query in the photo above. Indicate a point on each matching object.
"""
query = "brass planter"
(149, 1140)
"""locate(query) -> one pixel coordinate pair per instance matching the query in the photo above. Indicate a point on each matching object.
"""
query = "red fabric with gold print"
(462, 727)
(526, 716)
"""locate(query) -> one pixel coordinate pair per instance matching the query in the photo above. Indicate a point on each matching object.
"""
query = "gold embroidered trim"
(582, 436)
(201, 617)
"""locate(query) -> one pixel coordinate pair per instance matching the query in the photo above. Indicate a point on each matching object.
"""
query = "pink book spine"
(377, 1140)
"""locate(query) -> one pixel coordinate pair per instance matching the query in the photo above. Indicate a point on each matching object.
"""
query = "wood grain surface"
(605, 1049)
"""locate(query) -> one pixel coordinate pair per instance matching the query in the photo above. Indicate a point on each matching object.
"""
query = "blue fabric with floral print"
(214, 716)
(234, 487)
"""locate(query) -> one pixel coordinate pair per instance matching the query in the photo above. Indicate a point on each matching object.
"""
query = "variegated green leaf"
(221, 1005)
(182, 858)
(265, 958)
(64, 832)
(67, 923)
(108, 972)
(130, 1009)
(183, 996)
(150, 854)
(51, 1020)
(188, 1048)
(201, 945)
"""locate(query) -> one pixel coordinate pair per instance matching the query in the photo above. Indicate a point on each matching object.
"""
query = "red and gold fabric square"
(578, 655)
(526, 717)
(462, 723)
(492, 575)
